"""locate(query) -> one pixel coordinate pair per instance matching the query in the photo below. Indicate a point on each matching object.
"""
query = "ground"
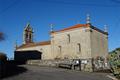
(27, 72)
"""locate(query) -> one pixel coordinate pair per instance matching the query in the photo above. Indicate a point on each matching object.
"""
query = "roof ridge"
(34, 44)
(74, 27)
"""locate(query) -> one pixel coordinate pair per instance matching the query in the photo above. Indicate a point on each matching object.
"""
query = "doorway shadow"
(22, 56)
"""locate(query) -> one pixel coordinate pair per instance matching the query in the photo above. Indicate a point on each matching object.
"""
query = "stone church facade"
(80, 41)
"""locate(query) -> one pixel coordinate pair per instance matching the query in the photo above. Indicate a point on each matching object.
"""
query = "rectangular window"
(68, 38)
(60, 49)
(79, 47)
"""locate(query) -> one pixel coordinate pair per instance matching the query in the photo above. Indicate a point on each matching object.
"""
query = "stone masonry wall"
(78, 46)
(54, 63)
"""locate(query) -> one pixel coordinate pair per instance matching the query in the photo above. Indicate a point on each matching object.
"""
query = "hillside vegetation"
(114, 60)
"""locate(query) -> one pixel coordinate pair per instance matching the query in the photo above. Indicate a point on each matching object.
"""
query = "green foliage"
(3, 57)
(118, 49)
(114, 60)
(1, 36)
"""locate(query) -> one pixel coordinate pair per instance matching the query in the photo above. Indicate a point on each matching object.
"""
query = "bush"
(3, 57)
(114, 60)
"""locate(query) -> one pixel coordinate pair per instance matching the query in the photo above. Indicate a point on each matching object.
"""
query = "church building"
(80, 41)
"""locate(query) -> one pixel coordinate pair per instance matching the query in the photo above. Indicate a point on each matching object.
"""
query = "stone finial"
(88, 19)
(105, 28)
(51, 26)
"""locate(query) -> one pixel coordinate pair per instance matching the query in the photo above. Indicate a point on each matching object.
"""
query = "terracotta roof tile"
(78, 26)
(34, 44)
(74, 27)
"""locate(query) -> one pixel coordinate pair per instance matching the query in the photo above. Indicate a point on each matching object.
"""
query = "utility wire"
(65, 3)
(10, 6)
(80, 4)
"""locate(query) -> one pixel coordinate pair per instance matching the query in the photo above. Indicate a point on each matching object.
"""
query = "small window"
(60, 49)
(79, 47)
(68, 38)
(30, 36)
(27, 36)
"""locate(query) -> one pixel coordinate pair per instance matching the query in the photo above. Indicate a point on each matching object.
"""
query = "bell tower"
(27, 34)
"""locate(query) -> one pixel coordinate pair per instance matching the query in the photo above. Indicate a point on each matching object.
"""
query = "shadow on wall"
(23, 56)
(10, 69)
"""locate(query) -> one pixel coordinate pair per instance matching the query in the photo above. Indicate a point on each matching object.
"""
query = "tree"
(3, 57)
(1, 36)
(114, 60)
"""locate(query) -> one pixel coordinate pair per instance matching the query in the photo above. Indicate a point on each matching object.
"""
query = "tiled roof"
(80, 25)
(74, 27)
(34, 44)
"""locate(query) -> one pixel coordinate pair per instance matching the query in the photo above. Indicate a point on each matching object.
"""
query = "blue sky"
(15, 14)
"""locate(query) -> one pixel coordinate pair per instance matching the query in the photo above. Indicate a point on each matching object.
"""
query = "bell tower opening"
(28, 34)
